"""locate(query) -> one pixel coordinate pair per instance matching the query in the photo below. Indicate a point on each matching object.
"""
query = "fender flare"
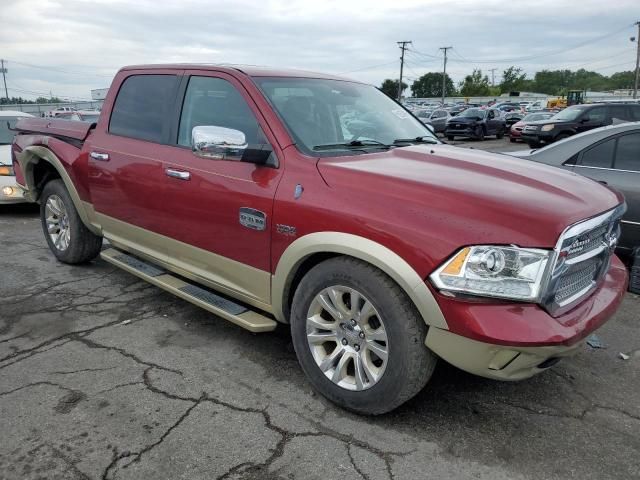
(30, 157)
(364, 249)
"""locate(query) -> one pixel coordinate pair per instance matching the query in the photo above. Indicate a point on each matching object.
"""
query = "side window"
(635, 112)
(144, 107)
(628, 153)
(216, 102)
(599, 156)
(619, 113)
(597, 115)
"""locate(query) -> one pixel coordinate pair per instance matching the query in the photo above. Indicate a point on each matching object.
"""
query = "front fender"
(364, 249)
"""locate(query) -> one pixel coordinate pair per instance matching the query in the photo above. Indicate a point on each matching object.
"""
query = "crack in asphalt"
(138, 455)
(353, 462)
(82, 370)
(36, 384)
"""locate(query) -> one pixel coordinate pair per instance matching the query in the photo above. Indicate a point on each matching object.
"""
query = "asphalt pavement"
(103, 376)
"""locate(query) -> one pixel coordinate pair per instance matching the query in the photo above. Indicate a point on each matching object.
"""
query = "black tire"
(83, 245)
(450, 138)
(479, 134)
(410, 363)
(500, 134)
(512, 140)
(534, 144)
(562, 136)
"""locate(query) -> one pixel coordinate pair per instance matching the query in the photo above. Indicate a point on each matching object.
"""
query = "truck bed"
(70, 129)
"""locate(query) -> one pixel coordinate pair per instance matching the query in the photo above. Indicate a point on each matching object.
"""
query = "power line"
(58, 70)
(368, 68)
(545, 54)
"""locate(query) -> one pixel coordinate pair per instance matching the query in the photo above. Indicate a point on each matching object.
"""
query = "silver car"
(10, 192)
(609, 155)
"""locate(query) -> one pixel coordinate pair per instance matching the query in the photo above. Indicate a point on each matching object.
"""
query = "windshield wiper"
(358, 144)
(423, 139)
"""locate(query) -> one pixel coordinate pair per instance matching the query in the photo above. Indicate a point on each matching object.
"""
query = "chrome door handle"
(180, 174)
(102, 157)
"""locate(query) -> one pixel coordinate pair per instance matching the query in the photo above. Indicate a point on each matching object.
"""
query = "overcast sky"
(68, 47)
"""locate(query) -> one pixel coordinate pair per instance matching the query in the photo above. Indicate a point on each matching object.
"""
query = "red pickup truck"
(289, 197)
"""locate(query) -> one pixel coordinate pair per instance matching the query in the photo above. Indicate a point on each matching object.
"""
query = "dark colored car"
(515, 133)
(609, 155)
(457, 110)
(476, 123)
(578, 119)
(437, 119)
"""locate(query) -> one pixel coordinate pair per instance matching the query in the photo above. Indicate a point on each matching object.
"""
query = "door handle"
(179, 174)
(102, 157)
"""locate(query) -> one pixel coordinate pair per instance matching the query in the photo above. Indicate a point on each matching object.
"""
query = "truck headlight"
(547, 128)
(494, 271)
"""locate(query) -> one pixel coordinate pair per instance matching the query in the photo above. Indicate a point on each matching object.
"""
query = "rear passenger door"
(593, 118)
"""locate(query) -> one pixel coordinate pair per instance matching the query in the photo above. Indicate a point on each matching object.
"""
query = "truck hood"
(465, 196)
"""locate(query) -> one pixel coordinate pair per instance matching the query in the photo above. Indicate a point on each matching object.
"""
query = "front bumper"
(17, 193)
(463, 131)
(511, 341)
(538, 137)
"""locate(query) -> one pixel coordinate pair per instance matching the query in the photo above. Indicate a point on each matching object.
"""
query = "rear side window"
(628, 152)
(619, 113)
(600, 156)
(144, 107)
(635, 112)
(597, 115)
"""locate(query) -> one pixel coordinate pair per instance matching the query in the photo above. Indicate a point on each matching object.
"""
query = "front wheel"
(479, 134)
(358, 337)
(68, 238)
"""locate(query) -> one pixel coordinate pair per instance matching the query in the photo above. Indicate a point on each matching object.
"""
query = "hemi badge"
(252, 218)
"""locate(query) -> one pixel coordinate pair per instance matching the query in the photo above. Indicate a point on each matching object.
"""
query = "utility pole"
(493, 78)
(635, 85)
(4, 78)
(403, 47)
(444, 72)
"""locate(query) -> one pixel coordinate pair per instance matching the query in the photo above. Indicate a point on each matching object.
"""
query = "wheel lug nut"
(356, 347)
(344, 341)
(353, 322)
(361, 334)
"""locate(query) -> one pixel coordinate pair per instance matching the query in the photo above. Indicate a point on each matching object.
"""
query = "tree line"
(24, 101)
(477, 84)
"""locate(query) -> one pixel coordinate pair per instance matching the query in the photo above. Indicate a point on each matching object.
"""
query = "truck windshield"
(329, 116)
(6, 135)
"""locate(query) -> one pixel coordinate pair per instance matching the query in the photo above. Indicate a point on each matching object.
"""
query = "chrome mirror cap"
(220, 143)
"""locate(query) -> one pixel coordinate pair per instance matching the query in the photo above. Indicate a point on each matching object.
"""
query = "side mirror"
(585, 119)
(218, 143)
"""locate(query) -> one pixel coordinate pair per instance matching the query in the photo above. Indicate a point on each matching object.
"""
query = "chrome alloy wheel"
(347, 338)
(57, 222)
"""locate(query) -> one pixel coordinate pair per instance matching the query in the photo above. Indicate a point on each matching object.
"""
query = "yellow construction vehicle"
(574, 97)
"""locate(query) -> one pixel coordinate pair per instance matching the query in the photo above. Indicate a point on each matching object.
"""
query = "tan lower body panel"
(248, 284)
(500, 362)
(249, 319)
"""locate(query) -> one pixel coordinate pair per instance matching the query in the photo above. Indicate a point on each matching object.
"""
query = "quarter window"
(628, 152)
(599, 156)
(144, 107)
(216, 102)
(597, 115)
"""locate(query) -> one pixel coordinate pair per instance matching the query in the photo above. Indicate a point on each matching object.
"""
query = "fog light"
(8, 191)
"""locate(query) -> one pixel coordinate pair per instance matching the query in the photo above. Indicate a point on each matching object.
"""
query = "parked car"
(515, 133)
(577, 119)
(436, 118)
(476, 123)
(10, 191)
(457, 110)
(381, 247)
(609, 155)
(511, 118)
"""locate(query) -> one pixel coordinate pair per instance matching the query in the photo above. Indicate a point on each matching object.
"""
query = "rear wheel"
(68, 238)
(500, 134)
(358, 337)
(512, 140)
(562, 136)
(450, 138)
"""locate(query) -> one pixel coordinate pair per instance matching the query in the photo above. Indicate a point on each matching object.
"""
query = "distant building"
(99, 93)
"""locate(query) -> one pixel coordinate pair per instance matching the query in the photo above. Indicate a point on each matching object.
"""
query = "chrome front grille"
(582, 258)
